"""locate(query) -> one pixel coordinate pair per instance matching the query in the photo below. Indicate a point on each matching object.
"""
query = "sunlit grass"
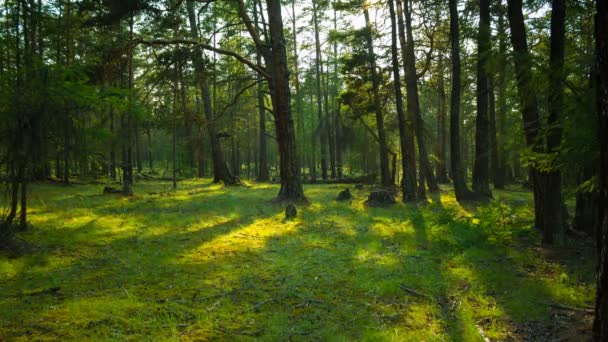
(209, 262)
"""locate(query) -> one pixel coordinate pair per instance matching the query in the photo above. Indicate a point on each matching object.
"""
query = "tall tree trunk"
(442, 170)
(600, 324)
(385, 175)
(221, 172)
(411, 149)
(291, 184)
(318, 71)
(494, 156)
(553, 205)
(460, 186)
(481, 172)
(501, 102)
(408, 185)
(523, 73)
(263, 174)
(296, 74)
(413, 102)
(336, 109)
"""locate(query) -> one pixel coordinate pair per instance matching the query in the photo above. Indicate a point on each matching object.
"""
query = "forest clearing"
(304, 170)
(208, 262)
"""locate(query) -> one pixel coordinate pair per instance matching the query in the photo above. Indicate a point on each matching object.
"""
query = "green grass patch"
(207, 262)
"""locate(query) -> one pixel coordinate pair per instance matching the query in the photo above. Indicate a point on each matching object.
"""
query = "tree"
(600, 323)
(408, 184)
(221, 172)
(323, 127)
(385, 176)
(481, 173)
(553, 203)
(413, 105)
(460, 187)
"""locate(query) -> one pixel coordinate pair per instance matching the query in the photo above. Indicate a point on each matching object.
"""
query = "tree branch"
(194, 43)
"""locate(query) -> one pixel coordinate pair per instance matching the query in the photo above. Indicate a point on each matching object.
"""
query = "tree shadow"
(223, 265)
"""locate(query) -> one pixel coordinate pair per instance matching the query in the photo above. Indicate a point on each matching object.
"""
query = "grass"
(208, 263)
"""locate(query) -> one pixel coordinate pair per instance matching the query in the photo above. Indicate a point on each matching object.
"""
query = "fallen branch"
(223, 294)
(416, 293)
(238, 332)
(586, 310)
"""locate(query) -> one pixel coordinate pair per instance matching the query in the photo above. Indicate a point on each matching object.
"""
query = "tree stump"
(380, 198)
(344, 195)
(291, 211)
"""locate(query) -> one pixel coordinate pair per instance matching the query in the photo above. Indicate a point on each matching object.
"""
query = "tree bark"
(600, 324)
(499, 178)
(385, 174)
(553, 204)
(460, 186)
(408, 185)
(523, 73)
(291, 183)
(413, 102)
(442, 171)
(263, 174)
(481, 172)
(409, 121)
(221, 172)
(322, 128)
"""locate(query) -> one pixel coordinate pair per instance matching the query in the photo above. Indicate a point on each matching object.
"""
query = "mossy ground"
(214, 263)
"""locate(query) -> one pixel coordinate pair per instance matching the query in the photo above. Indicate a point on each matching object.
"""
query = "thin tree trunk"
(319, 70)
(460, 186)
(385, 175)
(481, 172)
(501, 102)
(523, 73)
(553, 204)
(221, 172)
(413, 103)
(600, 324)
(442, 171)
(408, 185)
(411, 149)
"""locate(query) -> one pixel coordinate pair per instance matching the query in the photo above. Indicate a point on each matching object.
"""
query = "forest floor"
(212, 263)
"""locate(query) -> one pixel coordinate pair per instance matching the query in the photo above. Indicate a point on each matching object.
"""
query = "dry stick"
(237, 332)
(570, 308)
(223, 294)
(416, 293)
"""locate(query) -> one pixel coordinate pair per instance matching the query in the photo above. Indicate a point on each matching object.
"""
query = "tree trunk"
(409, 121)
(523, 73)
(442, 171)
(481, 172)
(385, 175)
(460, 186)
(553, 204)
(408, 185)
(600, 324)
(501, 102)
(494, 156)
(221, 172)
(318, 70)
(291, 183)
(413, 102)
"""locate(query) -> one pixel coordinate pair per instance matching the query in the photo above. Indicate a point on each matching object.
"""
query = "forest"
(304, 170)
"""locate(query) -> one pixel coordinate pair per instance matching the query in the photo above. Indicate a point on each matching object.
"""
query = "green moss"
(208, 262)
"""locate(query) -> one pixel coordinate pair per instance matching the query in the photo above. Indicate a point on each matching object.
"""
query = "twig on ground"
(237, 332)
(586, 310)
(223, 294)
(416, 293)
